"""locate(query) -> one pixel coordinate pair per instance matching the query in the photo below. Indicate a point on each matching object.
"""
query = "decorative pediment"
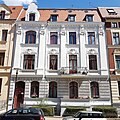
(116, 51)
(72, 51)
(92, 51)
(29, 51)
(53, 51)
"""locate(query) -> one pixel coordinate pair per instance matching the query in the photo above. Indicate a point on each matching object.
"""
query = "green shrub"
(109, 111)
(69, 111)
(48, 110)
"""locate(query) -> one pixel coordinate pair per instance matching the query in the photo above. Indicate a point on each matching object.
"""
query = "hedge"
(69, 111)
(48, 110)
(108, 111)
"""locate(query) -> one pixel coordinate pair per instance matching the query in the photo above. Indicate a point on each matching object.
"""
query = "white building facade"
(59, 63)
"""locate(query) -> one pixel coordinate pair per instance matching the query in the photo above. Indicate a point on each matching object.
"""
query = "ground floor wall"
(62, 98)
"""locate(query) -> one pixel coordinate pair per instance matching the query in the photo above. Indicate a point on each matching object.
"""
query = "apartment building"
(60, 59)
(111, 17)
(8, 15)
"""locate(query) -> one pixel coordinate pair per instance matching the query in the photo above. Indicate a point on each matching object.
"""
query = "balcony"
(78, 70)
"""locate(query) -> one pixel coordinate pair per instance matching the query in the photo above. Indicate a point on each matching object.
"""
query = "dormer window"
(114, 25)
(32, 17)
(2, 15)
(71, 18)
(89, 18)
(53, 18)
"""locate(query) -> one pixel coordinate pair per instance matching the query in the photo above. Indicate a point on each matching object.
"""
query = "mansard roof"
(63, 14)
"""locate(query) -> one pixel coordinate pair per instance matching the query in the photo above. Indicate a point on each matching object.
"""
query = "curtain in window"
(73, 88)
(34, 89)
(72, 37)
(117, 57)
(116, 39)
(53, 62)
(53, 90)
(30, 37)
(91, 38)
(94, 89)
(73, 64)
(53, 37)
(92, 62)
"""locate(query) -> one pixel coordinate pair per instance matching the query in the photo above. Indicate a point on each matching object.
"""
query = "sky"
(65, 3)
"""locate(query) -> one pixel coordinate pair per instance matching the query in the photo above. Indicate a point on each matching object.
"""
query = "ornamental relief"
(29, 51)
(53, 51)
(92, 51)
(116, 51)
(72, 52)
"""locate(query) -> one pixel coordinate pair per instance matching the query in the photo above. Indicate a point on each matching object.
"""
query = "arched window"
(30, 37)
(94, 89)
(73, 88)
(53, 90)
(34, 89)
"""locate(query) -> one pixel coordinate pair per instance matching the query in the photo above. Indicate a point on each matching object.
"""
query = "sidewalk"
(53, 118)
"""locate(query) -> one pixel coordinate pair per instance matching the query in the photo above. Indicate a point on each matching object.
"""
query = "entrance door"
(19, 94)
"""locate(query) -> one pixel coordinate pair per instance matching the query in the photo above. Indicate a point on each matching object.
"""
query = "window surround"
(114, 25)
(54, 17)
(89, 18)
(117, 38)
(71, 18)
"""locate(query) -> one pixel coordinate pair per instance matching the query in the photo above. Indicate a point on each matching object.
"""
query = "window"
(111, 11)
(119, 87)
(71, 18)
(30, 37)
(73, 88)
(89, 18)
(94, 89)
(2, 56)
(116, 39)
(0, 85)
(72, 37)
(4, 35)
(34, 89)
(117, 58)
(91, 38)
(114, 24)
(53, 62)
(92, 62)
(2, 15)
(32, 17)
(29, 61)
(53, 18)
(73, 64)
(53, 90)
(53, 37)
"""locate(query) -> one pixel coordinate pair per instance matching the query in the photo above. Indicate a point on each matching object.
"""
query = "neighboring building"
(111, 17)
(60, 59)
(8, 16)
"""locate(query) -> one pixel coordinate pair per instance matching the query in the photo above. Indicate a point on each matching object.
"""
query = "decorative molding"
(72, 51)
(29, 51)
(18, 32)
(62, 33)
(92, 51)
(53, 51)
(42, 32)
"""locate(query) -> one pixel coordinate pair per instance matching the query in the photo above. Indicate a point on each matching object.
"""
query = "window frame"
(71, 18)
(89, 18)
(51, 67)
(94, 88)
(2, 15)
(30, 37)
(116, 38)
(73, 90)
(35, 89)
(52, 89)
(93, 64)
(2, 58)
(4, 35)
(91, 38)
(114, 24)
(53, 18)
(119, 88)
(31, 16)
(72, 38)
(53, 38)
(116, 63)
(27, 61)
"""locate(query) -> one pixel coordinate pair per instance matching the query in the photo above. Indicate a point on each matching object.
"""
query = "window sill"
(3, 42)
(93, 45)
(72, 45)
(29, 45)
(53, 45)
(93, 71)
(53, 70)
(28, 70)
